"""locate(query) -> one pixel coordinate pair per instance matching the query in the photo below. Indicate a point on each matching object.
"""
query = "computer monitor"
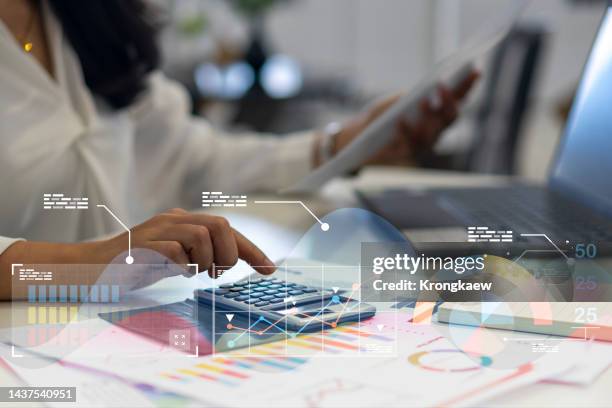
(583, 167)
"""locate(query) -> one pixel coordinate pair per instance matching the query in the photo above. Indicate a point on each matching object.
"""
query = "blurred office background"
(283, 65)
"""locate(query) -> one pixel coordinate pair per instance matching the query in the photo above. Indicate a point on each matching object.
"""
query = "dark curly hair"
(115, 41)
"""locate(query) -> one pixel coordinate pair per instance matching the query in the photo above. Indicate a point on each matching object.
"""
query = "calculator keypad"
(263, 291)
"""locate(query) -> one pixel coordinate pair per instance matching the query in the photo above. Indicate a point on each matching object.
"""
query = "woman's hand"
(182, 237)
(187, 238)
(411, 139)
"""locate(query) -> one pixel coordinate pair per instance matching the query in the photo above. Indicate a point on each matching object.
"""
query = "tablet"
(450, 71)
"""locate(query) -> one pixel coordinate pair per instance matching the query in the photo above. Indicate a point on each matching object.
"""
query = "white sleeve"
(6, 242)
(172, 146)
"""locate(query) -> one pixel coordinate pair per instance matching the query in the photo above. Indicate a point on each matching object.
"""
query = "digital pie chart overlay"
(445, 363)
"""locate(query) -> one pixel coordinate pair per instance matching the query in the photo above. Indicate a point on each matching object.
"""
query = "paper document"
(336, 378)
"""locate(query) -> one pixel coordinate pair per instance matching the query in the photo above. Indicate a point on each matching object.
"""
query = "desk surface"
(339, 194)
(283, 226)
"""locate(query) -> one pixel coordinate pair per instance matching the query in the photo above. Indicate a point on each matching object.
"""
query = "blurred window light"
(209, 79)
(239, 78)
(281, 77)
(230, 82)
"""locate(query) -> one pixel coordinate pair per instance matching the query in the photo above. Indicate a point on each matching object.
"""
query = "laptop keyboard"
(526, 210)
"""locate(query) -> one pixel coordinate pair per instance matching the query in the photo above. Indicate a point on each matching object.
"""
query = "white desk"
(276, 229)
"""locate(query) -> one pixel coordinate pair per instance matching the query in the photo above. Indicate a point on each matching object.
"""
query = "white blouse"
(56, 137)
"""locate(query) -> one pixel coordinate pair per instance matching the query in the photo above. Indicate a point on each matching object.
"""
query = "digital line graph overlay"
(557, 249)
(324, 226)
(128, 259)
(247, 332)
(275, 324)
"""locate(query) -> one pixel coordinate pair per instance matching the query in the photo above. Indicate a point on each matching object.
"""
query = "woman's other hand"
(411, 139)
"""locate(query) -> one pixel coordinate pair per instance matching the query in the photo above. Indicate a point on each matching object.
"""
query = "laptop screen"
(584, 163)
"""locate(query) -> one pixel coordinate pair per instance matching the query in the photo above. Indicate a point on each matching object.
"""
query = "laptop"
(574, 206)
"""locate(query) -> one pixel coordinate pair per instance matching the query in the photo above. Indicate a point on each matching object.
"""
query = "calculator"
(295, 307)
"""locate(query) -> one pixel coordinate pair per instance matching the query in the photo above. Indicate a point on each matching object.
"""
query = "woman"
(84, 111)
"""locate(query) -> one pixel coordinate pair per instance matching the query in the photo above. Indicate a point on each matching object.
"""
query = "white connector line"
(128, 260)
(324, 225)
(549, 240)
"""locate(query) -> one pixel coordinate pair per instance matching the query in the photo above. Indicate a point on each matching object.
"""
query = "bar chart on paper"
(377, 335)
(233, 369)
